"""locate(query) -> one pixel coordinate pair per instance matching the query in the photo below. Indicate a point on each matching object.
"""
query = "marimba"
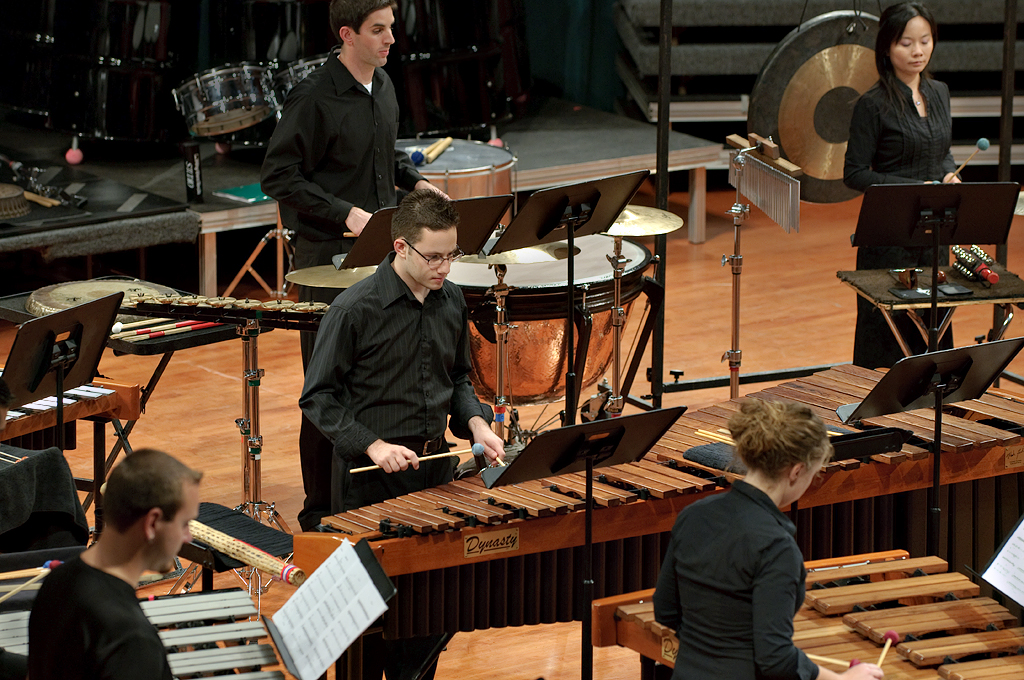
(464, 557)
(945, 629)
(204, 633)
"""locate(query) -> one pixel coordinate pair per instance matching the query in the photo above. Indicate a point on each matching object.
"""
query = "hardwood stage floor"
(794, 312)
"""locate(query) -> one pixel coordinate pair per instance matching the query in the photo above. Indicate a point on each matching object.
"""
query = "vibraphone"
(203, 633)
(471, 558)
(945, 630)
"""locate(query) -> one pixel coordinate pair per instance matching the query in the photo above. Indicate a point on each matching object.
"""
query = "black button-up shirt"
(333, 149)
(732, 580)
(887, 146)
(386, 366)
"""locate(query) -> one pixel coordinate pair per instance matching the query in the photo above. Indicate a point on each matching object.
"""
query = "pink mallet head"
(891, 636)
(854, 662)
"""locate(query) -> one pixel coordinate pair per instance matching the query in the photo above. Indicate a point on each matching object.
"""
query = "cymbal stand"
(282, 237)
(618, 263)
(502, 403)
(758, 173)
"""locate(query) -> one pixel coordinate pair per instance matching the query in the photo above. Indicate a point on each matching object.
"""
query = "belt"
(422, 448)
(432, 446)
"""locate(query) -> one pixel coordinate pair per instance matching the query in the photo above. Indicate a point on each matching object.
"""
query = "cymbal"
(640, 220)
(545, 252)
(328, 276)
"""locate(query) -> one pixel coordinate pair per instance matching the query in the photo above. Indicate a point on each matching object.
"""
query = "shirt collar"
(392, 288)
(344, 80)
(761, 498)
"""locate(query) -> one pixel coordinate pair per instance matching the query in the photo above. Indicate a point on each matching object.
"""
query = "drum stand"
(283, 238)
(618, 262)
(502, 404)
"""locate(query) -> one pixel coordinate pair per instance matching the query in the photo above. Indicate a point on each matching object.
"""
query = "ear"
(400, 247)
(149, 522)
(796, 471)
(345, 33)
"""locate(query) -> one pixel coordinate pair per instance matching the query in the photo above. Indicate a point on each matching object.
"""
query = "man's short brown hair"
(145, 480)
(353, 13)
(423, 209)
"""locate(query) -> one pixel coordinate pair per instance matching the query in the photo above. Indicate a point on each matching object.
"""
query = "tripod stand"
(282, 238)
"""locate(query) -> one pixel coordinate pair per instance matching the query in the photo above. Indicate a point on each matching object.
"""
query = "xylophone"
(204, 633)
(945, 629)
(464, 557)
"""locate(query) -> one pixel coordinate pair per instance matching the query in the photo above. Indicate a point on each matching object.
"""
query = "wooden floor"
(794, 312)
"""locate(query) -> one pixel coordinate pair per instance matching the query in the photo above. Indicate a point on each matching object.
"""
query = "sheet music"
(328, 612)
(1005, 572)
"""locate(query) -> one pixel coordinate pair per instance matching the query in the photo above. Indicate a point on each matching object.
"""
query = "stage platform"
(557, 143)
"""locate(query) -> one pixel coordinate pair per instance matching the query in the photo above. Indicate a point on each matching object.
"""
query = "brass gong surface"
(641, 220)
(329, 276)
(545, 252)
(804, 97)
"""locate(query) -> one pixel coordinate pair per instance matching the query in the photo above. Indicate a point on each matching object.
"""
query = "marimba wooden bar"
(969, 638)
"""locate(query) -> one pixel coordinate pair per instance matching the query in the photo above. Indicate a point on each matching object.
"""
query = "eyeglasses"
(434, 261)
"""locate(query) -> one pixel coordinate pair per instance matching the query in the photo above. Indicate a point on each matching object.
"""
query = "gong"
(804, 97)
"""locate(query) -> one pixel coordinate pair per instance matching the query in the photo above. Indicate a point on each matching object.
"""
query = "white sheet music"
(328, 612)
(1006, 571)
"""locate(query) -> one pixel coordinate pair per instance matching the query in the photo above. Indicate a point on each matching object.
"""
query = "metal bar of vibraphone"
(220, 659)
(227, 632)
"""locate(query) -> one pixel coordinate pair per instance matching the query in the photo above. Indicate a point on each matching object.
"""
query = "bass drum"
(805, 93)
(538, 344)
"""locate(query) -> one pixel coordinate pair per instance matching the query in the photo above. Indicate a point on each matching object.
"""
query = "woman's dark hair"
(890, 29)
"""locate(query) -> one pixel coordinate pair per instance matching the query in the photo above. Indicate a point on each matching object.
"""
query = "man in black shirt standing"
(391, 364)
(332, 162)
(86, 621)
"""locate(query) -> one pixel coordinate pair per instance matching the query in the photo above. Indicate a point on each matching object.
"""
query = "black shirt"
(888, 146)
(732, 579)
(386, 366)
(87, 624)
(334, 148)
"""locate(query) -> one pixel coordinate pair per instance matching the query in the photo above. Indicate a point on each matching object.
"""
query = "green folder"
(249, 193)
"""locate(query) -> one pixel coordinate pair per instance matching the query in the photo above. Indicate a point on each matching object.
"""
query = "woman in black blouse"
(901, 132)
(733, 576)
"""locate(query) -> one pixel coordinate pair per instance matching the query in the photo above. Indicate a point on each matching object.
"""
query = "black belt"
(420, 447)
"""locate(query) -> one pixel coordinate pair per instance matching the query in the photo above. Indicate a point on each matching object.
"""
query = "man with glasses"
(391, 363)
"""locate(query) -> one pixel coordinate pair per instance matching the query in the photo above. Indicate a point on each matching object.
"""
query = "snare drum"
(226, 99)
(537, 344)
(466, 169)
(288, 76)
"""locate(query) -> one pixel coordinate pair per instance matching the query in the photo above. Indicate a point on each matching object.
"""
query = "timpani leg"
(697, 228)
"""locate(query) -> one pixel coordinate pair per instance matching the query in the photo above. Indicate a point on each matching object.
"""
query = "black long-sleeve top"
(387, 367)
(732, 580)
(888, 146)
(333, 149)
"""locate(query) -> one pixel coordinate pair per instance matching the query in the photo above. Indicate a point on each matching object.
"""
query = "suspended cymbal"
(328, 276)
(545, 252)
(640, 220)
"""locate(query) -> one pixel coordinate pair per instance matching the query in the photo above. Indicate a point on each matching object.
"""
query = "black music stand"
(561, 214)
(59, 352)
(477, 219)
(936, 215)
(934, 379)
(576, 448)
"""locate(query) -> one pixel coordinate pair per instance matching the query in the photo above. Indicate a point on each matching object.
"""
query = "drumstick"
(8, 458)
(982, 145)
(41, 200)
(890, 637)
(160, 334)
(251, 555)
(47, 566)
(432, 155)
(118, 327)
(431, 457)
(152, 329)
(827, 659)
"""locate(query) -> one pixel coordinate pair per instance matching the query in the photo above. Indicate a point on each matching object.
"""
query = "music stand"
(561, 214)
(934, 379)
(477, 220)
(583, 447)
(59, 352)
(936, 215)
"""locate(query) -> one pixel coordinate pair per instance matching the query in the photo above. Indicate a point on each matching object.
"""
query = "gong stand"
(769, 181)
